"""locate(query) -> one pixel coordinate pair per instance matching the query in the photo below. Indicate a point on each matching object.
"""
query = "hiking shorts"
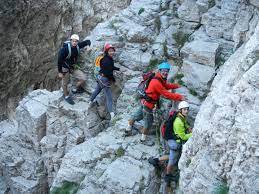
(174, 154)
(143, 113)
(78, 74)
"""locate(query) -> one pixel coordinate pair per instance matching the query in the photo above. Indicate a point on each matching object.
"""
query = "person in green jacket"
(182, 132)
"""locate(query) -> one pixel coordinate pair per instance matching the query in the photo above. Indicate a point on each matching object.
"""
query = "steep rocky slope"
(50, 143)
(224, 149)
(31, 33)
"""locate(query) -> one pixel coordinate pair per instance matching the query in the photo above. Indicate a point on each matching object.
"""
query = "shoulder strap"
(69, 50)
(180, 117)
(78, 49)
(148, 98)
(98, 60)
(159, 79)
(183, 120)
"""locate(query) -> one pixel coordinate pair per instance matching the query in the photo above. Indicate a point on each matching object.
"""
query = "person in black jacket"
(105, 77)
(67, 60)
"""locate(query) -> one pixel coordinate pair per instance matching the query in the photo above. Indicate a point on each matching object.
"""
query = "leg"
(80, 83)
(108, 96)
(148, 120)
(163, 158)
(136, 116)
(97, 90)
(128, 131)
(80, 77)
(173, 155)
(65, 81)
(155, 161)
(78, 74)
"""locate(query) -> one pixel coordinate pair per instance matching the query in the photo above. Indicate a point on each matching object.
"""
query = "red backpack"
(167, 130)
(141, 89)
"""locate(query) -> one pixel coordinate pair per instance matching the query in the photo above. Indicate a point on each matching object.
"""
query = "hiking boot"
(175, 176)
(112, 115)
(78, 90)
(154, 161)
(168, 179)
(74, 90)
(69, 100)
(128, 131)
(147, 142)
(129, 128)
(171, 177)
(91, 104)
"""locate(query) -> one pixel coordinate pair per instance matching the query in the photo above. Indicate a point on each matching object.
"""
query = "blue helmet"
(164, 65)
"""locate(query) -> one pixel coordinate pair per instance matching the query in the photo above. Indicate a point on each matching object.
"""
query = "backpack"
(167, 130)
(97, 63)
(68, 44)
(141, 89)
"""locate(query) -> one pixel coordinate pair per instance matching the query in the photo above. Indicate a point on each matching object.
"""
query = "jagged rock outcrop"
(22, 169)
(109, 163)
(31, 33)
(45, 129)
(47, 133)
(223, 153)
(201, 43)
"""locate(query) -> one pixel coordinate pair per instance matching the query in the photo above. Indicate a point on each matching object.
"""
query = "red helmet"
(107, 47)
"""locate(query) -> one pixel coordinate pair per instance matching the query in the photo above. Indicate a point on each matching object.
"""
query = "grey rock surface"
(49, 142)
(108, 163)
(200, 52)
(35, 30)
(219, 155)
(197, 76)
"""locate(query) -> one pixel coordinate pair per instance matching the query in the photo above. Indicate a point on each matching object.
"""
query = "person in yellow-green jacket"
(181, 133)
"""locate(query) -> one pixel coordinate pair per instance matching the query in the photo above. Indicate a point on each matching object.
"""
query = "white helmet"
(183, 104)
(75, 36)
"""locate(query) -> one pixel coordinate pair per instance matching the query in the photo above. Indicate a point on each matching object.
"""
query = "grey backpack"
(69, 48)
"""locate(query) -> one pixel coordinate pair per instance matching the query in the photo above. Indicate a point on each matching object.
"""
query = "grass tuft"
(66, 188)
(141, 10)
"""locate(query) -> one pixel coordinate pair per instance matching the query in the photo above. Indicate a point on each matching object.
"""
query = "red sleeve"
(172, 86)
(165, 93)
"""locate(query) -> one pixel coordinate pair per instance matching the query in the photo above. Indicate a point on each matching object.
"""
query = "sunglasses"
(164, 70)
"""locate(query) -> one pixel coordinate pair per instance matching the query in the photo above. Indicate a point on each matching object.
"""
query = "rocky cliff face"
(78, 144)
(223, 153)
(31, 33)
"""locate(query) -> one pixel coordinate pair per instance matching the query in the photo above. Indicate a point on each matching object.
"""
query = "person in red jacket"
(158, 86)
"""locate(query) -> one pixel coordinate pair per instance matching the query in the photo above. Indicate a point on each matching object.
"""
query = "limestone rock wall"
(223, 152)
(31, 33)
(202, 39)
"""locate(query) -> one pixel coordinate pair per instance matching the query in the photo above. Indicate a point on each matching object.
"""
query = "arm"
(84, 43)
(116, 68)
(187, 125)
(171, 86)
(180, 130)
(61, 59)
(165, 93)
